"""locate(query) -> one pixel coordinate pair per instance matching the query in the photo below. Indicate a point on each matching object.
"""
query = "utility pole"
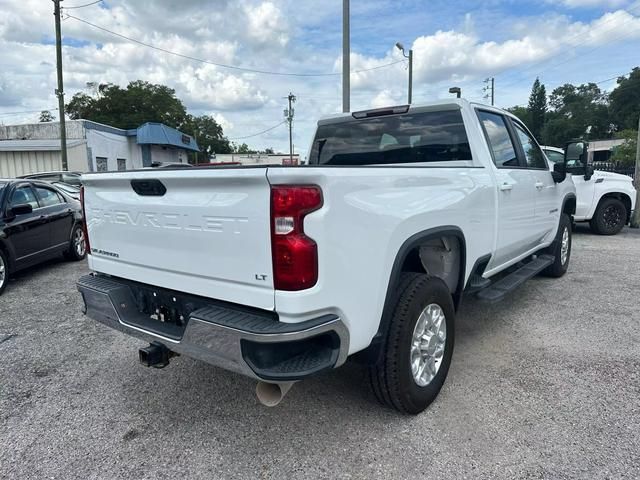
(346, 58)
(60, 89)
(491, 87)
(288, 116)
(635, 220)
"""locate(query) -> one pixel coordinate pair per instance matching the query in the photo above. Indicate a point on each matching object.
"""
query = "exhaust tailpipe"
(271, 394)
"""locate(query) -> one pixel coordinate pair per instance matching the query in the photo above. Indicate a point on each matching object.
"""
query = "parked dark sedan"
(37, 222)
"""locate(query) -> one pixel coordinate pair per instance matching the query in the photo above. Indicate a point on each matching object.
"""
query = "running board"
(498, 290)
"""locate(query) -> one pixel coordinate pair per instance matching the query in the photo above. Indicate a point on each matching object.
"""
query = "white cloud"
(593, 3)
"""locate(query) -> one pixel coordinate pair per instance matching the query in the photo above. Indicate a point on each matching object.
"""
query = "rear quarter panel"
(368, 213)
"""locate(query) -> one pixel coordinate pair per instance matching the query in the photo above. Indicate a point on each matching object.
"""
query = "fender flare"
(9, 251)
(615, 191)
(373, 351)
(570, 196)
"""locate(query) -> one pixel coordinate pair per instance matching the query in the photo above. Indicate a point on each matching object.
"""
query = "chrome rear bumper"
(248, 342)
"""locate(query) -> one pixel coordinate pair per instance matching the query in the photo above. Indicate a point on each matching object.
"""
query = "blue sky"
(455, 43)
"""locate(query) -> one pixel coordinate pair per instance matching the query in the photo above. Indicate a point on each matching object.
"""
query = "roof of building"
(160, 134)
(35, 145)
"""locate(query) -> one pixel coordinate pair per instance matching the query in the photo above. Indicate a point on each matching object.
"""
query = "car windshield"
(393, 139)
(554, 156)
(67, 188)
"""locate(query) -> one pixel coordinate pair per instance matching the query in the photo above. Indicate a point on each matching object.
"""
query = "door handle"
(506, 187)
(539, 185)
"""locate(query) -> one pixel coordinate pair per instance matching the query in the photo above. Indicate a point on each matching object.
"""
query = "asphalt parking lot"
(543, 385)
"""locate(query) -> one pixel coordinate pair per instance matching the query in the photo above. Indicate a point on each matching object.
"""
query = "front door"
(28, 233)
(547, 201)
(515, 184)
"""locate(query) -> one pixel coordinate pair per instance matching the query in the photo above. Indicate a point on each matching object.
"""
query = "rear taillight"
(295, 256)
(84, 220)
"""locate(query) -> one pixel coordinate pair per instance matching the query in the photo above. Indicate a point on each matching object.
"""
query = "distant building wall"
(256, 158)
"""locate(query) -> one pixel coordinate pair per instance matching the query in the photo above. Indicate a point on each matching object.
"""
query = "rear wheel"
(77, 245)
(560, 249)
(4, 271)
(419, 345)
(610, 217)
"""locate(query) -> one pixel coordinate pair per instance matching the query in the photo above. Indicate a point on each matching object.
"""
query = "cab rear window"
(425, 137)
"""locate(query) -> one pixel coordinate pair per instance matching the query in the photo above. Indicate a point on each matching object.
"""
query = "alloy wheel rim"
(612, 216)
(428, 344)
(79, 242)
(564, 250)
(3, 272)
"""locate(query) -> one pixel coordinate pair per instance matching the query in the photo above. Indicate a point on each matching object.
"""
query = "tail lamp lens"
(295, 255)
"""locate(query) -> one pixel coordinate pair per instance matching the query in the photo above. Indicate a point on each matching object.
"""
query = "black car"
(37, 222)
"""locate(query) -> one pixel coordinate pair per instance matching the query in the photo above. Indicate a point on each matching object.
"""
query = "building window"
(122, 164)
(101, 164)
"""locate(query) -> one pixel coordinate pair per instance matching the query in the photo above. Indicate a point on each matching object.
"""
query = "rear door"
(203, 231)
(58, 214)
(515, 184)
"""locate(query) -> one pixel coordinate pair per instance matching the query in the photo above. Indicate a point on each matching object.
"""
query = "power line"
(259, 133)
(3, 114)
(81, 6)
(222, 65)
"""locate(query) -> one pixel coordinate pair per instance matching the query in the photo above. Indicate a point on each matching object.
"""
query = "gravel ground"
(543, 385)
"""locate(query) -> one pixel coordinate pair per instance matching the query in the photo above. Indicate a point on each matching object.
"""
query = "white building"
(256, 158)
(91, 147)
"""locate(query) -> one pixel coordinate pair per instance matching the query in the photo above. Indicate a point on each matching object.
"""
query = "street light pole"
(400, 47)
(346, 58)
(60, 89)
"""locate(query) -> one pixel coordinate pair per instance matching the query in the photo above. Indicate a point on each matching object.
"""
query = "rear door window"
(497, 133)
(48, 197)
(423, 137)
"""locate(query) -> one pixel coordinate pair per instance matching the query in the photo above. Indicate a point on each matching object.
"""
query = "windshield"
(554, 156)
(394, 139)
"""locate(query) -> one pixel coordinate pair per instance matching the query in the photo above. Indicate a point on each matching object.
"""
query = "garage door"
(13, 164)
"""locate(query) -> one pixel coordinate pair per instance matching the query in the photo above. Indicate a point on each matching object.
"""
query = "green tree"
(537, 108)
(625, 101)
(209, 135)
(46, 116)
(243, 148)
(130, 107)
(577, 112)
(269, 151)
(521, 112)
(625, 154)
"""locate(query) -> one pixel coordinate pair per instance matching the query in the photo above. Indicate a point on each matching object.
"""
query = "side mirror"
(21, 209)
(576, 159)
(559, 172)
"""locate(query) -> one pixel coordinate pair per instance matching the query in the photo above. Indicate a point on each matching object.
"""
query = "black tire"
(392, 379)
(558, 268)
(610, 217)
(4, 271)
(74, 253)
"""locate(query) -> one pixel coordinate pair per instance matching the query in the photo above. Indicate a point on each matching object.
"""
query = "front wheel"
(4, 271)
(610, 217)
(77, 245)
(419, 345)
(560, 249)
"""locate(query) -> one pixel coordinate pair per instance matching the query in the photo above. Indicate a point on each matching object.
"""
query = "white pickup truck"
(279, 273)
(604, 199)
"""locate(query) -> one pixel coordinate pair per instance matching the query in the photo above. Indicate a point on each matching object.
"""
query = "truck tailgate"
(208, 234)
